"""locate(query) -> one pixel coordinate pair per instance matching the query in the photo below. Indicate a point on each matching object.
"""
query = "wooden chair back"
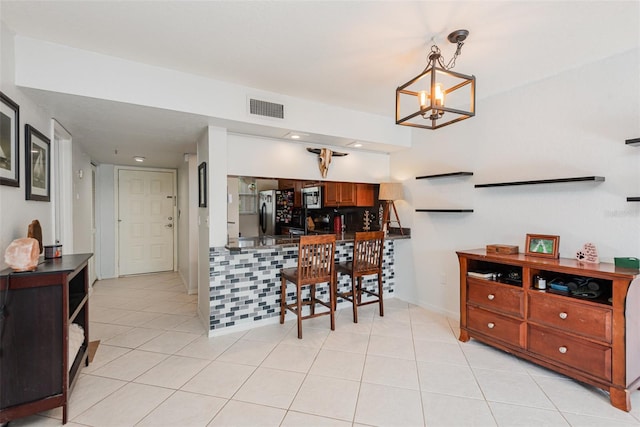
(316, 258)
(367, 252)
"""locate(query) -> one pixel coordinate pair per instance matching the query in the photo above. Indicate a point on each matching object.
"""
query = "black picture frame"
(9, 142)
(38, 165)
(202, 185)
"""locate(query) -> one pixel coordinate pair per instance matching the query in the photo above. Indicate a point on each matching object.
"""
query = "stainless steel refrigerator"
(275, 209)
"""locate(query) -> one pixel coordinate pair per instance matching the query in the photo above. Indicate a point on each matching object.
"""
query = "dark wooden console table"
(35, 374)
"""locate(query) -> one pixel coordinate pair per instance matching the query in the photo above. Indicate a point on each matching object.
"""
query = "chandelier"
(438, 96)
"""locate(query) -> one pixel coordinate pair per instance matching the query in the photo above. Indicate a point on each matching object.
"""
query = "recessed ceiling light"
(138, 159)
(295, 135)
(355, 144)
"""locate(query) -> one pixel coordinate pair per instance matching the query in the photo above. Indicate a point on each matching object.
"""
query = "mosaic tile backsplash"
(245, 286)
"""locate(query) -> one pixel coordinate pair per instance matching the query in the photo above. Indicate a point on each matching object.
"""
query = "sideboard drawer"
(495, 325)
(580, 319)
(572, 352)
(496, 296)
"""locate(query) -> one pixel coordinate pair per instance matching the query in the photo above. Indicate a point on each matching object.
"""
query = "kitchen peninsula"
(244, 276)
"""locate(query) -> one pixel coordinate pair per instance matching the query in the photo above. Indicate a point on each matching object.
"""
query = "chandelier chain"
(436, 55)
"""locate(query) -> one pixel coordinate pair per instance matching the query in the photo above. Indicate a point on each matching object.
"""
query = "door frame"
(174, 175)
(62, 187)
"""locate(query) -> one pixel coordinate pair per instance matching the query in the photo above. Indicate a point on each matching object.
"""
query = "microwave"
(312, 197)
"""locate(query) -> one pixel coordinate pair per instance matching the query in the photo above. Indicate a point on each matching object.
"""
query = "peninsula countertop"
(264, 242)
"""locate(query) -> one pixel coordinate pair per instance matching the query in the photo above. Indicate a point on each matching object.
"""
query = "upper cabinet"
(297, 185)
(338, 194)
(284, 184)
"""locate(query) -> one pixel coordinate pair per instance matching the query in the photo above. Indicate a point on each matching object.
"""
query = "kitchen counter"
(265, 242)
(244, 278)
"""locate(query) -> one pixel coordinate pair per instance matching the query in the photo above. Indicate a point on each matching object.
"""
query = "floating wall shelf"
(543, 181)
(634, 141)
(633, 199)
(446, 210)
(445, 175)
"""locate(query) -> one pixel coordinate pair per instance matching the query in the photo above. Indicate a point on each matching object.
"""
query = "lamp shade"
(391, 191)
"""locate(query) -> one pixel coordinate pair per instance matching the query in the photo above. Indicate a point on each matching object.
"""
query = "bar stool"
(315, 265)
(367, 260)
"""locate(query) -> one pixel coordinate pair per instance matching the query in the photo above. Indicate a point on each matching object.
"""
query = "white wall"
(188, 223)
(16, 213)
(203, 239)
(263, 157)
(82, 199)
(573, 124)
(85, 73)
(105, 222)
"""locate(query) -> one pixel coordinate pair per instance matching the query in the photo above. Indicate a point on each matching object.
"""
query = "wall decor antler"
(324, 158)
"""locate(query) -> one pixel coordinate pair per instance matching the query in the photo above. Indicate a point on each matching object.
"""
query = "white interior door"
(145, 218)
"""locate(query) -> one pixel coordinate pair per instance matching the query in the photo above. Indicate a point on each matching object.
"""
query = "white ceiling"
(347, 53)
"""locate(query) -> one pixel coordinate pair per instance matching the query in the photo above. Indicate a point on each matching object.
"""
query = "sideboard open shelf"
(35, 373)
(593, 340)
(543, 181)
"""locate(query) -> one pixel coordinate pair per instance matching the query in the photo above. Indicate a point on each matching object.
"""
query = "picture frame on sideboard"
(542, 245)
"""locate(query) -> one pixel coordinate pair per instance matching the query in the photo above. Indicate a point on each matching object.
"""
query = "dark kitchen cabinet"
(35, 373)
(297, 186)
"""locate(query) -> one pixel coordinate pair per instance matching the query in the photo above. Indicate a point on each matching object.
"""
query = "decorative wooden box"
(502, 249)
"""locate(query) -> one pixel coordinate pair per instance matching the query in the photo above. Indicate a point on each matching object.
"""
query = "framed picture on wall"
(38, 165)
(202, 185)
(542, 245)
(9, 140)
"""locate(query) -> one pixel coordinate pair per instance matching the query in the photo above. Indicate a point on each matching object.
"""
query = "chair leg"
(359, 290)
(283, 298)
(335, 290)
(299, 310)
(380, 294)
(312, 295)
(332, 304)
(354, 300)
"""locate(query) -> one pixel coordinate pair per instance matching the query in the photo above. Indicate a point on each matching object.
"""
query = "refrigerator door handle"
(263, 218)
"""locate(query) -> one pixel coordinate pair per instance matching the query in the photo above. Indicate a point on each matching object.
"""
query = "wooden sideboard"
(593, 340)
(39, 306)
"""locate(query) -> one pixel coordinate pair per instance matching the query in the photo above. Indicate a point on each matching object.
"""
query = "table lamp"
(390, 192)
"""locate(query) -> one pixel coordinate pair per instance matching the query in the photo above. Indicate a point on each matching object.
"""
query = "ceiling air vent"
(267, 109)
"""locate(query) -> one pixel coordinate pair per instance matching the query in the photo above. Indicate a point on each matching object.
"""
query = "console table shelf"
(634, 142)
(593, 340)
(446, 210)
(543, 181)
(445, 175)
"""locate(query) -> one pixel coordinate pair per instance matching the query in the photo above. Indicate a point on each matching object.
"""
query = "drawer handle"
(491, 325)
(562, 349)
(491, 297)
(563, 315)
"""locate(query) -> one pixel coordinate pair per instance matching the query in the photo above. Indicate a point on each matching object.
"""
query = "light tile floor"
(155, 366)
